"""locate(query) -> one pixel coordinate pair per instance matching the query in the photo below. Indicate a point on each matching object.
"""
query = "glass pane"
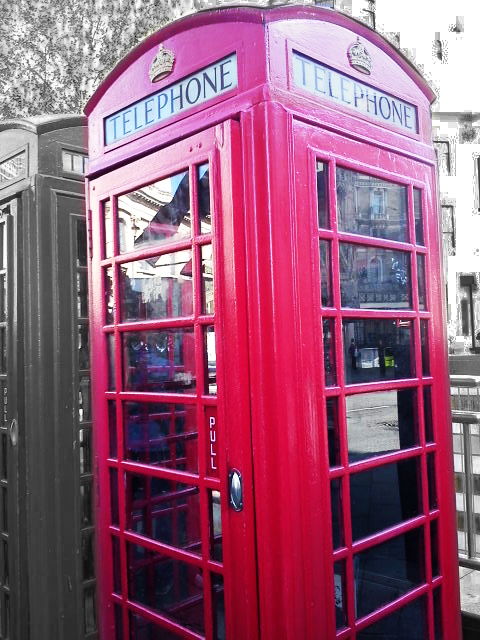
(3, 238)
(205, 219)
(159, 360)
(422, 300)
(208, 303)
(81, 243)
(82, 294)
(111, 360)
(169, 586)
(157, 288)
(83, 347)
(384, 496)
(333, 425)
(437, 614)
(427, 410)
(165, 435)
(337, 520)
(340, 594)
(432, 485)
(408, 623)
(3, 297)
(86, 504)
(218, 599)
(114, 496)
(90, 610)
(154, 214)
(117, 582)
(164, 510)
(84, 404)
(215, 525)
(322, 194)
(112, 428)
(329, 351)
(211, 361)
(385, 572)
(142, 629)
(434, 548)
(371, 206)
(374, 278)
(325, 274)
(417, 210)
(384, 349)
(381, 422)
(108, 248)
(109, 297)
(118, 622)
(88, 560)
(425, 347)
(210, 421)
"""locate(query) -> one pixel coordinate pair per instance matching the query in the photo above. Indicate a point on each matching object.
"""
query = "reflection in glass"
(86, 504)
(381, 422)
(90, 609)
(325, 274)
(117, 583)
(322, 194)
(108, 248)
(157, 288)
(111, 360)
(422, 300)
(218, 601)
(210, 361)
(109, 297)
(417, 211)
(81, 243)
(437, 614)
(432, 485)
(3, 297)
(3, 350)
(425, 347)
(407, 623)
(384, 349)
(385, 572)
(156, 213)
(329, 351)
(371, 206)
(340, 594)
(118, 622)
(166, 585)
(208, 304)
(204, 216)
(114, 511)
(333, 424)
(384, 496)
(159, 360)
(143, 629)
(112, 428)
(337, 520)
(85, 438)
(434, 548)
(88, 560)
(215, 525)
(374, 278)
(84, 401)
(164, 510)
(82, 294)
(427, 410)
(83, 347)
(165, 435)
(3, 242)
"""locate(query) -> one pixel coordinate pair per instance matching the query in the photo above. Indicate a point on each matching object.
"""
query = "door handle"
(235, 488)
(13, 429)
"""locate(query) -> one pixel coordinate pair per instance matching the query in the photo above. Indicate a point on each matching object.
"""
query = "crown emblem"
(162, 64)
(359, 58)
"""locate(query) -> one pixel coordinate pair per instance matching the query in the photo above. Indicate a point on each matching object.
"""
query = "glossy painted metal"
(278, 554)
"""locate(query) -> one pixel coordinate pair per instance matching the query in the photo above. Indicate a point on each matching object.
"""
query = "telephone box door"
(175, 510)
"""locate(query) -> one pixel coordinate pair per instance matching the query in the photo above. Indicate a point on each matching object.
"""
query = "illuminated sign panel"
(324, 82)
(196, 89)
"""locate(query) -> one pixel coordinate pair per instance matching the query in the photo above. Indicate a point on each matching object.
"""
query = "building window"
(443, 154)
(74, 162)
(13, 168)
(329, 4)
(448, 230)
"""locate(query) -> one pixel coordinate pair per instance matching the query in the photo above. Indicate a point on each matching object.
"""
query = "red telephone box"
(270, 390)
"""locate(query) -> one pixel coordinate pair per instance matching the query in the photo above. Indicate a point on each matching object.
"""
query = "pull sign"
(236, 489)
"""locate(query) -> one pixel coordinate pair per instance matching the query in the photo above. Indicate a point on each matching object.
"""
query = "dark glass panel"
(384, 496)
(322, 194)
(325, 273)
(385, 572)
(83, 347)
(111, 360)
(4, 510)
(86, 504)
(218, 600)
(81, 243)
(333, 425)
(109, 297)
(432, 485)
(3, 297)
(166, 585)
(117, 574)
(4, 457)
(85, 438)
(371, 206)
(437, 614)
(155, 214)
(407, 623)
(164, 510)
(425, 346)
(3, 350)
(422, 300)
(90, 610)
(384, 350)
(157, 288)
(142, 629)
(114, 510)
(340, 594)
(381, 422)
(3, 242)
(215, 525)
(337, 520)
(204, 216)
(159, 361)
(112, 428)
(162, 434)
(417, 210)
(208, 302)
(84, 400)
(82, 294)
(210, 361)
(427, 409)
(329, 351)
(434, 548)
(88, 560)
(118, 622)
(374, 278)
(108, 248)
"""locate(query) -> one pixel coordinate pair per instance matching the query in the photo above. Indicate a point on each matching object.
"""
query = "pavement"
(470, 590)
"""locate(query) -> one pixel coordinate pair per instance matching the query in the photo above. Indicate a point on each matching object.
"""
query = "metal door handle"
(235, 487)
(13, 432)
